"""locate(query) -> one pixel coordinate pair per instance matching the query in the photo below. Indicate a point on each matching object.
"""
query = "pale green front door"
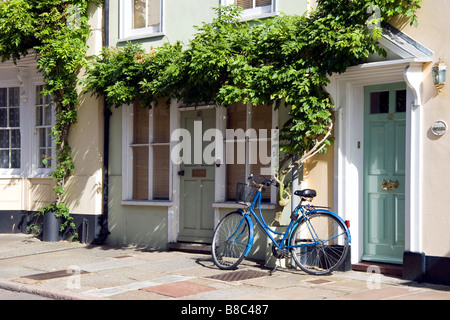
(384, 172)
(197, 180)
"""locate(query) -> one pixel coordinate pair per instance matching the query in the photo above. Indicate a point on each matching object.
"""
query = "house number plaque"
(439, 128)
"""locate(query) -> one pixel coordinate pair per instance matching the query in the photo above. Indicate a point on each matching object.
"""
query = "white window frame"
(255, 13)
(15, 171)
(221, 123)
(127, 160)
(24, 77)
(36, 170)
(126, 31)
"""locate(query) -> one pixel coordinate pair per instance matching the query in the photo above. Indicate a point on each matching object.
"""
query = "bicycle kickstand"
(275, 268)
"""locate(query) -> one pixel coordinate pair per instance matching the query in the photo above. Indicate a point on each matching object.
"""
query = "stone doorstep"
(385, 268)
(190, 247)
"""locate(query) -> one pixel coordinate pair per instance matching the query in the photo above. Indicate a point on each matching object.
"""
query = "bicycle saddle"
(307, 193)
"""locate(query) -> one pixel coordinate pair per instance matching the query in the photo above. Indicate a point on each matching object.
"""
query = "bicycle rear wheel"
(230, 240)
(321, 243)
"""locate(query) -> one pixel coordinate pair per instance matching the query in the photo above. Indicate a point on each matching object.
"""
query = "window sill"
(141, 36)
(258, 16)
(148, 203)
(234, 205)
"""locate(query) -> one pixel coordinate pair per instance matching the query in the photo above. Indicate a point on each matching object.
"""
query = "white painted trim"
(173, 224)
(220, 174)
(414, 77)
(150, 152)
(347, 91)
(127, 154)
(257, 12)
(148, 203)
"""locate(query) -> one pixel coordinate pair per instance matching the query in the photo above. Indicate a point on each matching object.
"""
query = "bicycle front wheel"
(230, 240)
(320, 243)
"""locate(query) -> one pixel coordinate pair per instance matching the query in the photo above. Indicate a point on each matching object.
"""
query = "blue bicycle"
(317, 239)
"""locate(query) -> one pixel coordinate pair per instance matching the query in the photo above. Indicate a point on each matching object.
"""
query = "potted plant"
(53, 222)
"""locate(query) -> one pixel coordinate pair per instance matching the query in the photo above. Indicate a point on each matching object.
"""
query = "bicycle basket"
(245, 193)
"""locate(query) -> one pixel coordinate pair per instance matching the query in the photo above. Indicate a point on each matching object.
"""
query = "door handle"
(389, 185)
(181, 173)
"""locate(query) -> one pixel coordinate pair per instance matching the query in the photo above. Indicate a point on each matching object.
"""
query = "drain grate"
(239, 275)
(51, 275)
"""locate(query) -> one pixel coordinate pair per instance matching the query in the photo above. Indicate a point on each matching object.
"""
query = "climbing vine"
(55, 31)
(281, 60)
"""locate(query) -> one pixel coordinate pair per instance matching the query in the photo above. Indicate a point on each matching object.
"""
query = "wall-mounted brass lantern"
(439, 73)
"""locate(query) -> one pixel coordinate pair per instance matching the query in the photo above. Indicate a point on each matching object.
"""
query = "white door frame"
(347, 91)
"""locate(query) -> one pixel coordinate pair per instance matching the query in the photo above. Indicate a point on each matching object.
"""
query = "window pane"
(14, 97)
(235, 150)
(140, 125)
(9, 119)
(161, 123)
(42, 137)
(39, 116)
(400, 101)
(139, 8)
(147, 13)
(47, 115)
(379, 102)
(43, 120)
(140, 173)
(263, 3)
(15, 158)
(4, 138)
(4, 159)
(235, 174)
(3, 97)
(236, 116)
(262, 123)
(154, 15)
(49, 138)
(3, 117)
(262, 119)
(42, 154)
(161, 163)
(14, 117)
(39, 100)
(15, 138)
(246, 4)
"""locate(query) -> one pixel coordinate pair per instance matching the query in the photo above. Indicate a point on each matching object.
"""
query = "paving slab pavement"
(67, 270)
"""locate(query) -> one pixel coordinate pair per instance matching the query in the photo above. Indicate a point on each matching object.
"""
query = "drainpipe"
(103, 220)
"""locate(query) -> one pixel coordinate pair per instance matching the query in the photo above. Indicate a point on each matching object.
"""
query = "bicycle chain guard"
(279, 253)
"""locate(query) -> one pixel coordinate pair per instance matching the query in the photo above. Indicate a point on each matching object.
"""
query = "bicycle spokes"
(320, 243)
(230, 240)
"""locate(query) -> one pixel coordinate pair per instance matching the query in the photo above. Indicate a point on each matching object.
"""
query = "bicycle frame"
(285, 235)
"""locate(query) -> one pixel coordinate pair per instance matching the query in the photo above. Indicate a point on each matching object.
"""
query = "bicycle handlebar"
(265, 182)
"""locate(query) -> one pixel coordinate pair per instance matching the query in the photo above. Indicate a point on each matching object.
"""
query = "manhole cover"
(239, 275)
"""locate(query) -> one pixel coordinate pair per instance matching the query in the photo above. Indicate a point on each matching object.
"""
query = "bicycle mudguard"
(251, 233)
(332, 214)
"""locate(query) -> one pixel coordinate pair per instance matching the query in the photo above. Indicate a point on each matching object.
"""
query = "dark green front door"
(384, 172)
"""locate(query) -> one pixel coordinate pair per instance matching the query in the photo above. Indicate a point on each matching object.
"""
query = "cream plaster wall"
(31, 193)
(432, 32)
